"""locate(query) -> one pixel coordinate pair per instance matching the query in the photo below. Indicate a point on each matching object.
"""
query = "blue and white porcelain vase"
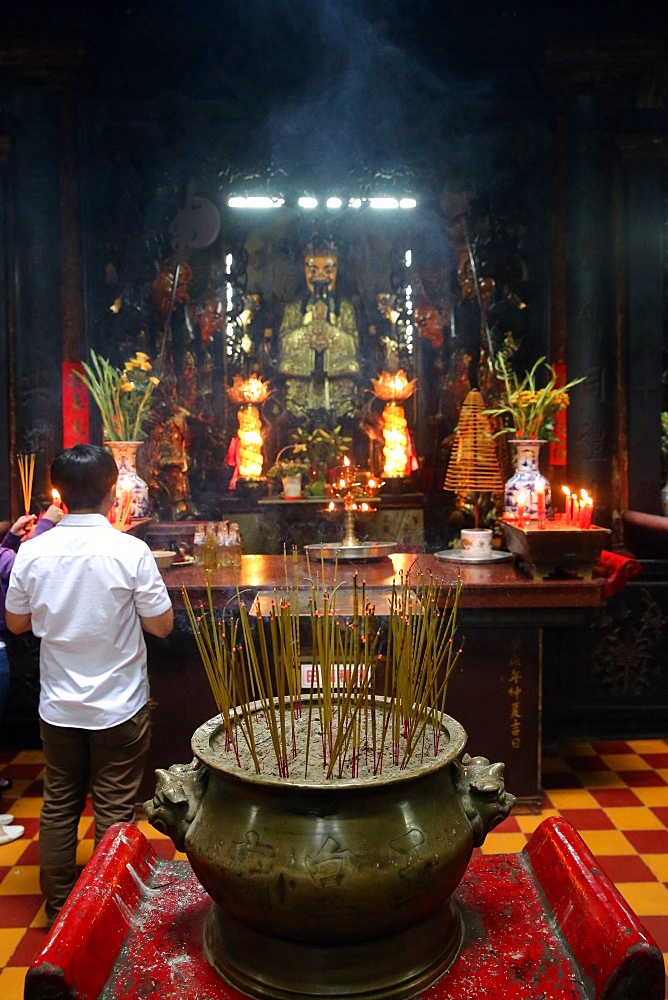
(527, 479)
(125, 454)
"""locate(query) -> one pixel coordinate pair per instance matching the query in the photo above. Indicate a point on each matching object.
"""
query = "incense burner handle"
(482, 791)
(178, 793)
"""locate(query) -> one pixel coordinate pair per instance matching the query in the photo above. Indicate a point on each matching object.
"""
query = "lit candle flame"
(56, 497)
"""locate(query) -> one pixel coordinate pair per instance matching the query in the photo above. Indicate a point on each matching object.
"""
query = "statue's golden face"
(320, 268)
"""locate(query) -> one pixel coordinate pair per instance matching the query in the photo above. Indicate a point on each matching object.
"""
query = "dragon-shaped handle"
(178, 793)
(482, 790)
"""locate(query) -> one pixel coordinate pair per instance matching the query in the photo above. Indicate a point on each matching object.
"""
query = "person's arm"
(160, 625)
(49, 520)
(18, 623)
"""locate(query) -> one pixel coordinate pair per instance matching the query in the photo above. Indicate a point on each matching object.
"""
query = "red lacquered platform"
(545, 924)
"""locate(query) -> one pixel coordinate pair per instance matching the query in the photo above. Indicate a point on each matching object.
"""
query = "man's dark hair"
(83, 475)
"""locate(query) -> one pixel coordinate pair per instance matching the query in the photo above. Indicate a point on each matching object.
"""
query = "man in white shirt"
(87, 590)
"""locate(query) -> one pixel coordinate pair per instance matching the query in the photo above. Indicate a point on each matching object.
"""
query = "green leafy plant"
(288, 466)
(528, 410)
(321, 447)
(123, 396)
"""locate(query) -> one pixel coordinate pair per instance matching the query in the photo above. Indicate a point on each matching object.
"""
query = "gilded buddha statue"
(318, 341)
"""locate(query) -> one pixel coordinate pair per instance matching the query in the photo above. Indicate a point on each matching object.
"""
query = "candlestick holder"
(356, 492)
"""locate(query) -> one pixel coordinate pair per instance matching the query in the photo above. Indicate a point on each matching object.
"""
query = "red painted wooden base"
(545, 924)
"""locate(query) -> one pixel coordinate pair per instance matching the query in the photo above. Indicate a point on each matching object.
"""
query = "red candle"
(540, 507)
(568, 508)
(587, 513)
(520, 508)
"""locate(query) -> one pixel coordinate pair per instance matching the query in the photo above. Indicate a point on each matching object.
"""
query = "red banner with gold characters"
(76, 427)
(558, 448)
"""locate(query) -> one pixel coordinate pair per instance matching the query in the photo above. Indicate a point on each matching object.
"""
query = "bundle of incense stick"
(27, 471)
(253, 668)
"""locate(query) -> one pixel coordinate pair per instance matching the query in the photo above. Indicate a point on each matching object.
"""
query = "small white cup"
(476, 543)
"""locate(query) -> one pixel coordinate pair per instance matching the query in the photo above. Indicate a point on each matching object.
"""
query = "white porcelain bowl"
(163, 558)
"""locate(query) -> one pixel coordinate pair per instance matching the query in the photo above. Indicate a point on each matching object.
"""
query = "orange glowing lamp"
(249, 392)
(394, 387)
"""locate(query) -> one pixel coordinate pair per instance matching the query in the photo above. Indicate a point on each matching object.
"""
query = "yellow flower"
(528, 410)
(123, 396)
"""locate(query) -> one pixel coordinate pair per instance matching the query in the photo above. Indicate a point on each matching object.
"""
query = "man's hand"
(23, 526)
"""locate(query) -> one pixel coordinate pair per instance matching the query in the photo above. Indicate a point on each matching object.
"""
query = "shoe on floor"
(10, 833)
(6, 819)
(6, 784)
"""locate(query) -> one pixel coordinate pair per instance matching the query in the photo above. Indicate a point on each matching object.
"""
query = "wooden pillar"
(593, 91)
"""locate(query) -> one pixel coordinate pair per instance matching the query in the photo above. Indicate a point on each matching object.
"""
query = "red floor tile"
(19, 911)
(610, 747)
(643, 779)
(587, 819)
(658, 928)
(610, 798)
(626, 868)
(661, 813)
(28, 946)
(31, 854)
(648, 841)
(509, 825)
(657, 760)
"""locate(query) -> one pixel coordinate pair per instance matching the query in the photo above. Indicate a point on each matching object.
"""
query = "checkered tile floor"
(615, 794)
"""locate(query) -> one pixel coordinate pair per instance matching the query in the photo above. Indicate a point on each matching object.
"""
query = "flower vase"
(125, 454)
(527, 479)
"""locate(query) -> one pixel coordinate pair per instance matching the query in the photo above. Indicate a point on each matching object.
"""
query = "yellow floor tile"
(649, 746)
(602, 842)
(12, 982)
(10, 853)
(40, 918)
(653, 796)
(9, 940)
(528, 824)
(84, 851)
(85, 826)
(658, 865)
(504, 843)
(23, 881)
(150, 832)
(634, 818)
(572, 798)
(625, 762)
(27, 807)
(645, 898)
(29, 757)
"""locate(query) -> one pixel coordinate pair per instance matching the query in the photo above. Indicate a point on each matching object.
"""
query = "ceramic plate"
(455, 555)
